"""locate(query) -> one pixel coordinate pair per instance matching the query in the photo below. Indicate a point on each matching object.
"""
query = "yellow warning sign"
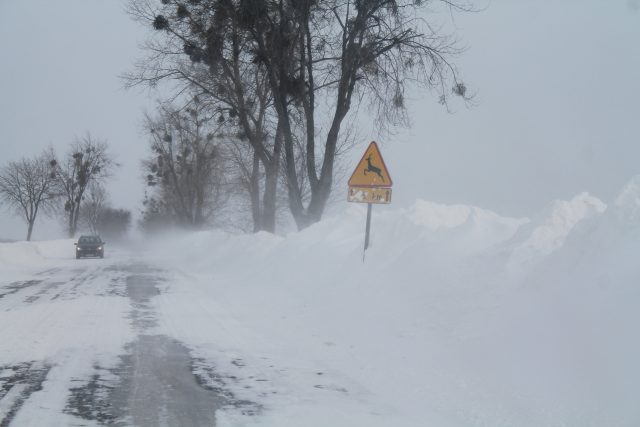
(371, 171)
(378, 195)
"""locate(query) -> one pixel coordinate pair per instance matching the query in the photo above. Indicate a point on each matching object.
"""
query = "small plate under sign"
(379, 195)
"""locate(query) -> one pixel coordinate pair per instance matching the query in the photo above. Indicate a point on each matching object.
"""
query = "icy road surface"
(79, 347)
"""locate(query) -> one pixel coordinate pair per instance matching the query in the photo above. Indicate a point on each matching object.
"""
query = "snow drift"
(24, 257)
(458, 316)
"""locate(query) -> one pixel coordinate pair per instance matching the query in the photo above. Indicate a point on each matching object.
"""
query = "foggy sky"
(556, 109)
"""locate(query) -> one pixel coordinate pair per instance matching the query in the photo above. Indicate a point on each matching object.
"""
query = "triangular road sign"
(371, 171)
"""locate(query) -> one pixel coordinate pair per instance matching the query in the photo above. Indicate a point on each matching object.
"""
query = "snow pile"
(458, 317)
(33, 256)
(551, 234)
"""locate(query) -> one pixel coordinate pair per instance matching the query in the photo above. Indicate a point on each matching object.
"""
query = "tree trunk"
(254, 191)
(199, 209)
(70, 229)
(320, 194)
(269, 199)
(75, 215)
(269, 205)
(321, 191)
(296, 205)
(30, 230)
(272, 170)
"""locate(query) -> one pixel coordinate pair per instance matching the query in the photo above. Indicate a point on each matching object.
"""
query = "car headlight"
(77, 249)
(99, 248)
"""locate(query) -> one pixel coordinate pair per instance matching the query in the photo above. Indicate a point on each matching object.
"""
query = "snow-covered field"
(458, 317)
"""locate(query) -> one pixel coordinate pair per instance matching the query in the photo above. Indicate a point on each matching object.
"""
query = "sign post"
(370, 183)
(366, 233)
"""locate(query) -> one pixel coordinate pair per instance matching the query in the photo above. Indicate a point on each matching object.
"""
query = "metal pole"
(366, 233)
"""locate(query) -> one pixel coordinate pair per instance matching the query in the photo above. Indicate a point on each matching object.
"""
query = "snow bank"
(30, 256)
(458, 317)
(547, 237)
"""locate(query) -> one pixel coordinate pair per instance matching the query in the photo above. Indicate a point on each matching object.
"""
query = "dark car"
(89, 246)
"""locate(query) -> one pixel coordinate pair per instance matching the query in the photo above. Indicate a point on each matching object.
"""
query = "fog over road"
(72, 318)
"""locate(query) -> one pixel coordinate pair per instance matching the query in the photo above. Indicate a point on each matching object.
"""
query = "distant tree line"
(265, 95)
(68, 186)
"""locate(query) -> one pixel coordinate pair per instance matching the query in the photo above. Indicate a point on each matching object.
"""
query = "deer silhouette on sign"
(373, 169)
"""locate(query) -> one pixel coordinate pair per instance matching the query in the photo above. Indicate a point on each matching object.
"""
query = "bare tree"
(28, 186)
(344, 51)
(248, 176)
(186, 167)
(88, 161)
(92, 207)
(230, 82)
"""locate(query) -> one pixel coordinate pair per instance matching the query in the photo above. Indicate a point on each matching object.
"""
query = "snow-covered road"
(141, 340)
(79, 348)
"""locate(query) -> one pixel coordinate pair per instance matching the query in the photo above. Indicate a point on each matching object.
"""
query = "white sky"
(556, 114)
